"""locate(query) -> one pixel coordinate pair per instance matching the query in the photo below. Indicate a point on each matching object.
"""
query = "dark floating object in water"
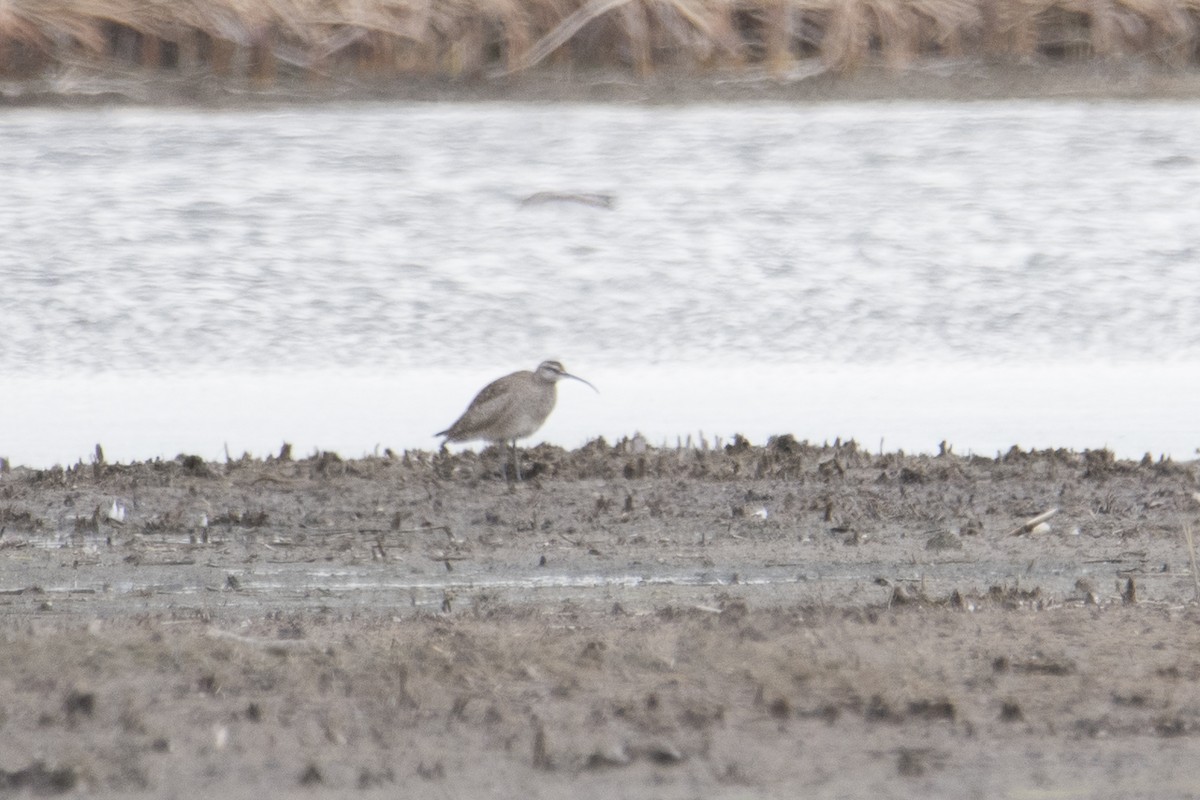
(593, 199)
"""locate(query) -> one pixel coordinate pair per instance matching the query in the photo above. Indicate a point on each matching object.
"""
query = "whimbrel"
(511, 408)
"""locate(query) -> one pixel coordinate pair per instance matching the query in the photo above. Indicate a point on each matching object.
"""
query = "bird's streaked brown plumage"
(511, 407)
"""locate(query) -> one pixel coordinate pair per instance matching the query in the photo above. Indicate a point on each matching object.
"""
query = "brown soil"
(628, 622)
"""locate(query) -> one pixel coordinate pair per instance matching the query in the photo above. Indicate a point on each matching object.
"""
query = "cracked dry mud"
(783, 620)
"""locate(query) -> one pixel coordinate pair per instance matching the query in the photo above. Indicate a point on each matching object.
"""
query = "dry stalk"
(1033, 522)
(1187, 534)
(252, 38)
(562, 33)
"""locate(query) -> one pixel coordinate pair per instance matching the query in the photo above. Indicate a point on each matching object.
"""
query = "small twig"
(1032, 523)
(1129, 593)
(445, 528)
(541, 759)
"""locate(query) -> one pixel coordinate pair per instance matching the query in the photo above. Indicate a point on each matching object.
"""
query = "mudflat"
(629, 621)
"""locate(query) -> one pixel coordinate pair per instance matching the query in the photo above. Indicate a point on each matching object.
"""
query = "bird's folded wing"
(491, 406)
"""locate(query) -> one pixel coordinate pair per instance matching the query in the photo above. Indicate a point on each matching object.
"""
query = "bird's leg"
(516, 461)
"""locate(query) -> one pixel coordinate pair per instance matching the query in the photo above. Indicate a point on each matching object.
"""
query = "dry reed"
(1191, 544)
(260, 39)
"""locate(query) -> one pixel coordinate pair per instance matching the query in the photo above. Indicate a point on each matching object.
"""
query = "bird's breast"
(529, 418)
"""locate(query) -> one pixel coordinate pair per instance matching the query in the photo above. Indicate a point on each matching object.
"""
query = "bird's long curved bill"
(581, 380)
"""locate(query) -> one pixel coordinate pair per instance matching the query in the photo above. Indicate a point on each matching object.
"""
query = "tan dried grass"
(474, 36)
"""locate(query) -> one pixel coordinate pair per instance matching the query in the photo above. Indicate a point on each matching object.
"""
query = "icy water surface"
(346, 277)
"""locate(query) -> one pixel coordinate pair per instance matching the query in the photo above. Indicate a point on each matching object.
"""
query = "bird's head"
(553, 372)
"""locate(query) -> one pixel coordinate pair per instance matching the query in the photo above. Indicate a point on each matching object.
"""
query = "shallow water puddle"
(147, 583)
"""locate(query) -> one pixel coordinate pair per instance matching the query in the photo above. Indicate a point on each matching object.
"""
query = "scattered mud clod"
(431, 772)
(910, 763)
(940, 709)
(311, 776)
(910, 596)
(879, 710)
(734, 612)
(1129, 593)
(913, 762)
(593, 653)
(39, 779)
(943, 541)
(785, 444)
(541, 757)
(374, 779)
(194, 466)
(79, 704)
(780, 708)
(616, 755)
(662, 753)
(19, 519)
(1044, 665)
(831, 469)
(829, 713)
(1014, 597)
(1014, 454)
(241, 519)
(1010, 711)
(1170, 727)
(702, 714)
(326, 464)
(1099, 463)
